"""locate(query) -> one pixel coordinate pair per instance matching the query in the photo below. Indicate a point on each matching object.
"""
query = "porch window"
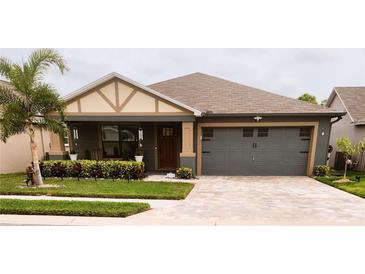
(119, 141)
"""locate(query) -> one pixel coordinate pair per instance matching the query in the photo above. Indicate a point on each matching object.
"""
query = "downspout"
(339, 118)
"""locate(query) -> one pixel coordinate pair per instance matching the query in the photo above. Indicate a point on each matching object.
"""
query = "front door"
(167, 147)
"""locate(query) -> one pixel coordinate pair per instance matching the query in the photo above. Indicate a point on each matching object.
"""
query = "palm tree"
(28, 103)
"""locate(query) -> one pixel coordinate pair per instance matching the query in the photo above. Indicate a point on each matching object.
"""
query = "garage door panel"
(279, 151)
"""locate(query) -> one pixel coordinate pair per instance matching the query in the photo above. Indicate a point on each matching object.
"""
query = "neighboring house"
(215, 126)
(352, 101)
(15, 154)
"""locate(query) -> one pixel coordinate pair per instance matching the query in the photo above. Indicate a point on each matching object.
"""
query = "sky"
(289, 72)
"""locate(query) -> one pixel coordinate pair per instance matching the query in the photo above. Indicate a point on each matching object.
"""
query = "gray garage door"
(255, 151)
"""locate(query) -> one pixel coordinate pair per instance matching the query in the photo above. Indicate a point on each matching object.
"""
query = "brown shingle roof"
(218, 96)
(354, 100)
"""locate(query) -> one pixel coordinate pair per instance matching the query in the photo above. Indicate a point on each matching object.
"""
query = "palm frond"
(8, 96)
(45, 99)
(40, 60)
(52, 124)
(5, 67)
(13, 120)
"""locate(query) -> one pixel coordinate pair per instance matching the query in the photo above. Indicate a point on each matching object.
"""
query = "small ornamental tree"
(26, 104)
(308, 98)
(345, 146)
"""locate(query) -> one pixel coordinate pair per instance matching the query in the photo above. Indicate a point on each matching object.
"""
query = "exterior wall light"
(140, 134)
(257, 118)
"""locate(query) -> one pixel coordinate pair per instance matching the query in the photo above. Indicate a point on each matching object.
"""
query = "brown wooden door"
(167, 147)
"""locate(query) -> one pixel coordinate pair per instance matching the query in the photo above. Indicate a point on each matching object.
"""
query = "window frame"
(251, 130)
(305, 132)
(120, 155)
(266, 131)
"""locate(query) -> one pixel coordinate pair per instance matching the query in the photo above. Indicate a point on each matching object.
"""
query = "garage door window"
(305, 132)
(207, 133)
(248, 132)
(263, 132)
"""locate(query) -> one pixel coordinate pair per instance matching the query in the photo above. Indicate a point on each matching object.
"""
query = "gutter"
(332, 114)
(339, 118)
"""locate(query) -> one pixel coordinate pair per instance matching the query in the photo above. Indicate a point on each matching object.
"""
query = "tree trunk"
(344, 174)
(37, 177)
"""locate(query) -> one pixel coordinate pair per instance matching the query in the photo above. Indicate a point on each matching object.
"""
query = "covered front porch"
(166, 144)
(107, 119)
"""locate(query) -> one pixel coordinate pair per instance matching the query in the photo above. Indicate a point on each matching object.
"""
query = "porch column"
(187, 155)
(57, 151)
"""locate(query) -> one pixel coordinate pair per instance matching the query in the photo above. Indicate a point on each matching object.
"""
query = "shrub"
(93, 169)
(184, 173)
(322, 170)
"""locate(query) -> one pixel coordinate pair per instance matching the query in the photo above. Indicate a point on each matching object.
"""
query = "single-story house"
(214, 126)
(15, 154)
(352, 101)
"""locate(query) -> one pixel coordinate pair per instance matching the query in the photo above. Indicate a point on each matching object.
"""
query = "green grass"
(10, 185)
(70, 208)
(354, 187)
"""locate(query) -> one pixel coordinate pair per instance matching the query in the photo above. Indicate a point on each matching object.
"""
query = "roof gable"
(105, 89)
(214, 95)
(353, 100)
(114, 96)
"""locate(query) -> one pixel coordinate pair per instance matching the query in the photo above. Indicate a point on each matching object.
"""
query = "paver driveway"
(260, 201)
(237, 201)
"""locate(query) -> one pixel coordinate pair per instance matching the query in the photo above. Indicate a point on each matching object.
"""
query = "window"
(263, 132)
(305, 132)
(119, 141)
(207, 133)
(247, 132)
(168, 132)
(75, 133)
(65, 139)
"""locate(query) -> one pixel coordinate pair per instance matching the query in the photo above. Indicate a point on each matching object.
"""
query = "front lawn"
(70, 208)
(356, 188)
(13, 184)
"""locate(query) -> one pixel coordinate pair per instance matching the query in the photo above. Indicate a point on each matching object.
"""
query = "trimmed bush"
(93, 169)
(184, 173)
(322, 170)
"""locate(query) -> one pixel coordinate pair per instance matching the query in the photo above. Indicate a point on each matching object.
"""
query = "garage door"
(255, 151)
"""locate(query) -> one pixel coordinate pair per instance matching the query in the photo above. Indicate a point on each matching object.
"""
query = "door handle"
(205, 151)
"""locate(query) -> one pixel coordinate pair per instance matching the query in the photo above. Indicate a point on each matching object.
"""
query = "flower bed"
(113, 169)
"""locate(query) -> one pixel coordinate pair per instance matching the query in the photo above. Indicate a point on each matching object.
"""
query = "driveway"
(238, 201)
(218, 200)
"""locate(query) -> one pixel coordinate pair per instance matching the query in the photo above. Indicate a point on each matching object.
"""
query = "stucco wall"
(345, 128)
(15, 154)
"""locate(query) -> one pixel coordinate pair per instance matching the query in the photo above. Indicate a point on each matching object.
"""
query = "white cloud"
(289, 72)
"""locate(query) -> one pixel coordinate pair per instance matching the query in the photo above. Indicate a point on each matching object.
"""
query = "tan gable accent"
(95, 103)
(140, 102)
(124, 92)
(72, 107)
(109, 92)
(163, 107)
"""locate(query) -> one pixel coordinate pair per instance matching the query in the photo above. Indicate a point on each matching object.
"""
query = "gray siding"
(345, 128)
